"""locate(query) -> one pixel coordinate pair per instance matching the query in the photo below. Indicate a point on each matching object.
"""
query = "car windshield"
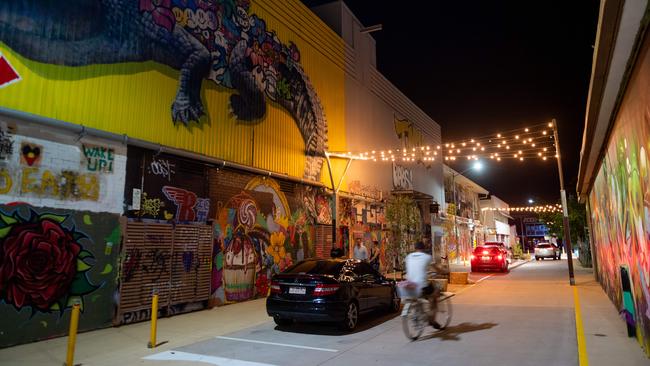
(327, 267)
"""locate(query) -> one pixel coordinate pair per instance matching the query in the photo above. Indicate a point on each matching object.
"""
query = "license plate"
(297, 290)
(486, 258)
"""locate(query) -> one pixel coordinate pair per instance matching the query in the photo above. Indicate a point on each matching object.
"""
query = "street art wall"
(272, 92)
(60, 199)
(261, 226)
(51, 259)
(619, 201)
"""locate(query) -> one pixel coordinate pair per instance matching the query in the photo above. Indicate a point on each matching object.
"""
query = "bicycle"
(415, 314)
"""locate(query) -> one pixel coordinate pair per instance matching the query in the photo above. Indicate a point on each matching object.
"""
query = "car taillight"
(499, 256)
(472, 257)
(324, 290)
(275, 287)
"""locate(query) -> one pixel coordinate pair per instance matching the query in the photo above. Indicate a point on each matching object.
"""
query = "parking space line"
(278, 344)
(195, 357)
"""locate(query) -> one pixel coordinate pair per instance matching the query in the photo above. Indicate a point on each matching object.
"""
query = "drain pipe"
(126, 140)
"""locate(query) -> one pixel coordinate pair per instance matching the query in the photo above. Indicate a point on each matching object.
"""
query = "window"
(364, 271)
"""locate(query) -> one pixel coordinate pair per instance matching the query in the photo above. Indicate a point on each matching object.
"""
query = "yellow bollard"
(154, 321)
(72, 335)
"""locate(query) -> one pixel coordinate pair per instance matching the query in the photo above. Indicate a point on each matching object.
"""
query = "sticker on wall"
(8, 75)
(30, 154)
(6, 145)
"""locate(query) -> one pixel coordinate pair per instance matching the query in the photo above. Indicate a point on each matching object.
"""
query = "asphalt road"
(525, 317)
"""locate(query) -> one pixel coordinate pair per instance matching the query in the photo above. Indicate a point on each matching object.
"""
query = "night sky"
(481, 67)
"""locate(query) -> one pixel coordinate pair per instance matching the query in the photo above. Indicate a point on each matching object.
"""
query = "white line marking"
(484, 278)
(278, 344)
(195, 357)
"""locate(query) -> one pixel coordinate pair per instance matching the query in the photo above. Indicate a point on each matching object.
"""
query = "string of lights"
(534, 142)
(540, 208)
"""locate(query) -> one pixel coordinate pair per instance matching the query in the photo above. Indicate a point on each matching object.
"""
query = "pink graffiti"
(184, 201)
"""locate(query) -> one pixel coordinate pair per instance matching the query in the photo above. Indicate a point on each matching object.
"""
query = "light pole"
(476, 166)
(565, 210)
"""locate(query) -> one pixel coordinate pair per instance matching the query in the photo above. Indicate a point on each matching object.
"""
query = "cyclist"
(418, 266)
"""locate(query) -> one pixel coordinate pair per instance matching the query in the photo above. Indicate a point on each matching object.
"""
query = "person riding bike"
(418, 266)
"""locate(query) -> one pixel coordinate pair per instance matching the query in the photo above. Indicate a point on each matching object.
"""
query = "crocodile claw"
(185, 111)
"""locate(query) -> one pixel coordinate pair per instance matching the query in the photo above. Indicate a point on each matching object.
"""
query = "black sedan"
(330, 290)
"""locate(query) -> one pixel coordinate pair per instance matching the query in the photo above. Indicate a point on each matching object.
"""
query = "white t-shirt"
(360, 252)
(417, 266)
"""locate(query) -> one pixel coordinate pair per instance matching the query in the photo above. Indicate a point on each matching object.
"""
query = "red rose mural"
(42, 264)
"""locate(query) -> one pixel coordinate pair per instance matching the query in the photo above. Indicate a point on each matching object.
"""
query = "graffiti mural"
(49, 260)
(48, 173)
(619, 202)
(173, 189)
(259, 231)
(218, 40)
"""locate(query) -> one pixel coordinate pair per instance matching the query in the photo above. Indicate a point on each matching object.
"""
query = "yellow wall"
(135, 98)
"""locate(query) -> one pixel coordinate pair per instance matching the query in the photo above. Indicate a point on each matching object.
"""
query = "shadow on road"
(452, 333)
(366, 321)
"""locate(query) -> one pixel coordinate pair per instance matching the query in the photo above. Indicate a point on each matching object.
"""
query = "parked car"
(503, 248)
(488, 257)
(330, 290)
(547, 250)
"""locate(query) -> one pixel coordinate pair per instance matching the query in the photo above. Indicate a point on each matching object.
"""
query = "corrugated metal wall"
(135, 98)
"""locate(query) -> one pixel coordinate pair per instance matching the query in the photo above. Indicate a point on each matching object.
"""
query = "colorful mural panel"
(49, 260)
(260, 229)
(619, 201)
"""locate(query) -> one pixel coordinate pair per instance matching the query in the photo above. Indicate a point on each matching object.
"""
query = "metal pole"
(72, 335)
(334, 192)
(565, 210)
(453, 185)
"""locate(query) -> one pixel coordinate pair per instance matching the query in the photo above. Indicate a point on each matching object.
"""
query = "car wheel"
(536, 258)
(282, 321)
(351, 317)
(395, 303)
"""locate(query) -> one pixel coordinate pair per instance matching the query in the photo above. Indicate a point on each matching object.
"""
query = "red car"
(489, 257)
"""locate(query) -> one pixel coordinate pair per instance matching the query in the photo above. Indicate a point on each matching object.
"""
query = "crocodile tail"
(307, 110)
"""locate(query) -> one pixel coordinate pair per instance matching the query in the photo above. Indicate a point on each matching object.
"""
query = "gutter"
(126, 140)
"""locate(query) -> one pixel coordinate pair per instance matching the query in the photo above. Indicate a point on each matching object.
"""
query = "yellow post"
(72, 334)
(154, 321)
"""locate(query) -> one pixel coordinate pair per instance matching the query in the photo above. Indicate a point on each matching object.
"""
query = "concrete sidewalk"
(605, 333)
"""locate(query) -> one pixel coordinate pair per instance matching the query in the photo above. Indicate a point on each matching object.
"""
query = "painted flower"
(282, 221)
(262, 285)
(276, 249)
(161, 12)
(285, 262)
(38, 263)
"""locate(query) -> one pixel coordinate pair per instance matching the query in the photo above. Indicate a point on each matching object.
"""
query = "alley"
(525, 317)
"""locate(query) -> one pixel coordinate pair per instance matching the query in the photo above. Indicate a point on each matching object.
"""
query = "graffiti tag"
(402, 177)
(98, 158)
(163, 168)
(188, 206)
(66, 185)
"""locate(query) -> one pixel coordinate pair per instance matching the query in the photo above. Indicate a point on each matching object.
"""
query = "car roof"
(493, 243)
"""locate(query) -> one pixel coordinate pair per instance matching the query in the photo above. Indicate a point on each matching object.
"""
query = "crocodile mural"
(219, 40)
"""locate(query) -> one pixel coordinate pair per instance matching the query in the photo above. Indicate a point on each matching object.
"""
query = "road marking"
(583, 359)
(195, 357)
(278, 344)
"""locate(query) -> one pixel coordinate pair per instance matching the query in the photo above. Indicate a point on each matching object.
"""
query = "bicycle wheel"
(443, 313)
(412, 320)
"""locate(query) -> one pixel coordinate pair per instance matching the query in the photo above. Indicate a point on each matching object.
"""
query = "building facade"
(180, 151)
(614, 177)
(496, 217)
(465, 227)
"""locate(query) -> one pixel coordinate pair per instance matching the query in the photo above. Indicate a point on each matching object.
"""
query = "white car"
(547, 250)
